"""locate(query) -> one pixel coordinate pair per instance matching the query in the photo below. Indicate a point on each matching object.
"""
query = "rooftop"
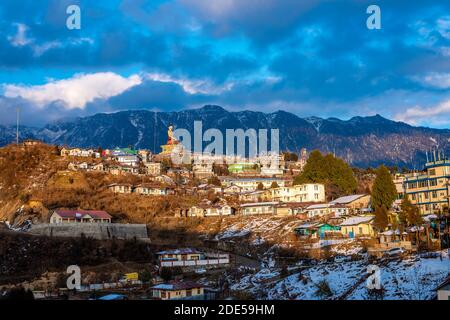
(82, 213)
(347, 199)
(259, 204)
(179, 251)
(174, 285)
(353, 221)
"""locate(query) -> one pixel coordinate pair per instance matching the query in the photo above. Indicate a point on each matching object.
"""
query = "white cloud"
(191, 86)
(20, 38)
(74, 92)
(438, 115)
(443, 26)
(435, 80)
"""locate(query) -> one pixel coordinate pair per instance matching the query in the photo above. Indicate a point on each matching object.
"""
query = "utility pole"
(17, 128)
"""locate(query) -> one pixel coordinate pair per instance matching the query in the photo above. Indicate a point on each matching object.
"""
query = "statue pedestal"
(167, 149)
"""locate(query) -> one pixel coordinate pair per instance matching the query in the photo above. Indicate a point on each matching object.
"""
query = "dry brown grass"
(40, 173)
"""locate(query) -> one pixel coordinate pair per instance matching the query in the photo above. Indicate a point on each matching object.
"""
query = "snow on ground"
(414, 278)
(347, 247)
(232, 233)
(304, 285)
(262, 228)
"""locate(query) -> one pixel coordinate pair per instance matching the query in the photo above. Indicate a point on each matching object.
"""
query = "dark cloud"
(268, 54)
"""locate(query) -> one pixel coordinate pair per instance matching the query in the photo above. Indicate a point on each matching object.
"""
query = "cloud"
(438, 114)
(20, 38)
(203, 86)
(435, 80)
(74, 92)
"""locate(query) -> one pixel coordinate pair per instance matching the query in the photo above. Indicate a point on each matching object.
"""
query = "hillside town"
(305, 229)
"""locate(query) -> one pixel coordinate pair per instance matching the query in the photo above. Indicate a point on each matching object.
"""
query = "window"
(316, 196)
(413, 196)
(189, 293)
(360, 230)
(432, 172)
(434, 194)
(316, 187)
(425, 195)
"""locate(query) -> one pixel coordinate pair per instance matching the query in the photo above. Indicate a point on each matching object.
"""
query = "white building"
(251, 184)
(324, 209)
(259, 208)
(309, 192)
(128, 159)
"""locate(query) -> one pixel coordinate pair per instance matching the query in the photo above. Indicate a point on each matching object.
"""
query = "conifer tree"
(335, 173)
(409, 214)
(381, 220)
(383, 191)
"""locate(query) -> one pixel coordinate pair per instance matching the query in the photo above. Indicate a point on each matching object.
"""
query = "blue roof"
(113, 296)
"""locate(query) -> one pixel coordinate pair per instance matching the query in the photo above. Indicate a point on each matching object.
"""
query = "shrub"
(323, 289)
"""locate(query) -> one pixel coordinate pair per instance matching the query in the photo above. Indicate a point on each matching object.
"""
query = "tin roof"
(179, 251)
(82, 213)
(357, 220)
(174, 285)
(347, 199)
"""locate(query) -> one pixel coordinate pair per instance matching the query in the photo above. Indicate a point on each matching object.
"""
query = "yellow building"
(178, 291)
(429, 190)
(357, 226)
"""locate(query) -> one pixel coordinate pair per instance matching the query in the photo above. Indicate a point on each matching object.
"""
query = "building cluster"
(230, 186)
(429, 190)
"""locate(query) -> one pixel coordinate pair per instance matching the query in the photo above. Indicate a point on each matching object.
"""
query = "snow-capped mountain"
(361, 141)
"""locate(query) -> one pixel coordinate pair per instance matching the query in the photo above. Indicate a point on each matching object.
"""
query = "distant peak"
(376, 117)
(214, 108)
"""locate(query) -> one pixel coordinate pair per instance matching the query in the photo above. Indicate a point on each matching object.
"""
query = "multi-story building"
(259, 208)
(429, 190)
(153, 168)
(308, 192)
(251, 184)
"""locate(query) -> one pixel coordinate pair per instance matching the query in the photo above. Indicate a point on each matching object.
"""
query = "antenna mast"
(154, 134)
(17, 128)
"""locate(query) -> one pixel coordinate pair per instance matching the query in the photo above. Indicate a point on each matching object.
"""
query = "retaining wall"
(100, 231)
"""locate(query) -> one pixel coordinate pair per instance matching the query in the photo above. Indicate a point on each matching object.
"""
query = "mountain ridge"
(362, 140)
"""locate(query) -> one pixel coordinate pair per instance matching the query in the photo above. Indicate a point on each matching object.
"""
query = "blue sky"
(312, 58)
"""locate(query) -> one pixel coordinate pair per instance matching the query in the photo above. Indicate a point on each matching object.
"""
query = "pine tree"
(313, 172)
(381, 220)
(335, 173)
(409, 215)
(383, 191)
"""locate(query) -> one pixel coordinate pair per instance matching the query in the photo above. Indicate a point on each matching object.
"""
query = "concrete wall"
(100, 231)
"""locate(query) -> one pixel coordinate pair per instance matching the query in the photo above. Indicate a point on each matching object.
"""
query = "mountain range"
(361, 141)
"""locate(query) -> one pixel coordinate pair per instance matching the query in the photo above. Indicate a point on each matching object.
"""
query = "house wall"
(182, 257)
(55, 219)
(444, 294)
(259, 210)
(429, 190)
(360, 203)
(177, 294)
(310, 192)
(358, 230)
